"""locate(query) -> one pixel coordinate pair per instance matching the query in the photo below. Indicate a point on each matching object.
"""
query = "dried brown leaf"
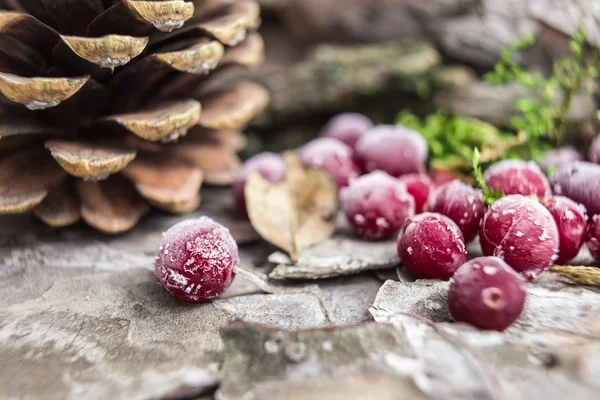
(296, 213)
(582, 275)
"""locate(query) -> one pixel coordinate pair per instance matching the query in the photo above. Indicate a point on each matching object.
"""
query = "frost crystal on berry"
(430, 245)
(376, 205)
(332, 155)
(195, 259)
(509, 231)
(347, 127)
(392, 149)
(517, 177)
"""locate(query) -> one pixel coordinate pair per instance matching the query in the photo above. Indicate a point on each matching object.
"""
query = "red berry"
(431, 246)
(522, 232)
(571, 223)
(392, 149)
(462, 204)
(332, 155)
(195, 259)
(269, 165)
(593, 237)
(376, 205)
(557, 157)
(347, 127)
(517, 177)
(595, 151)
(418, 186)
(579, 181)
(439, 176)
(487, 293)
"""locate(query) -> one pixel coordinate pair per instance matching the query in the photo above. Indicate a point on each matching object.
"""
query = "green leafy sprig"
(489, 196)
(541, 118)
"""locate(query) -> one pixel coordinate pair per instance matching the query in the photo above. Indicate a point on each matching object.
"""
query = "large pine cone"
(105, 91)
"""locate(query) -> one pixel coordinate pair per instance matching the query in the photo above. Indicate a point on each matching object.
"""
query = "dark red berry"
(579, 181)
(593, 237)
(419, 186)
(462, 204)
(392, 149)
(439, 176)
(195, 259)
(517, 177)
(431, 246)
(376, 205)
(571, 223)
(332, 155)
(522, 232)
(557, 157)
(594, 154)
(487, 293)
(347, 127)
(269, 165)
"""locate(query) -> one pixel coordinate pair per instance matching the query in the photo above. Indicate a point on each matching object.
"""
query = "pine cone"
(110, 106)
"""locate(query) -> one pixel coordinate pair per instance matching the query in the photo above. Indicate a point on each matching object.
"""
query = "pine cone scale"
(100, 132)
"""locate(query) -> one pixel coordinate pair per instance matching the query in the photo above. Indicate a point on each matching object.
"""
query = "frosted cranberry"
(347, 127)
(462, 204)
(269, 165)
(195, 259)
(419, 187)
(579, 181)
(487, 293)
(332, 155)
(594, 154)
(522, 232)
(593, 237)
(517, 177)
(557, 157)
(376, 205)
(430, 245)
(571, 223)
(392, 149)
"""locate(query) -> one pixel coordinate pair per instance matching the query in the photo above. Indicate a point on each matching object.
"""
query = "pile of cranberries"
(386, 191)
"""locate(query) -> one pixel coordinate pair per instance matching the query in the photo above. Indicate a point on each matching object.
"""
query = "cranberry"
(430, 245)
(462, 204)
(269, 165)
(594, 154)
(347, 127)
(517, 177)
(332, 155)
(418, 186)
(487, 293)
(522, 232)
(376, 205)
(392, 149)
(579, 181)
(593, 237)
(571, 223)
(195, 259)
(557, 157)
(439, 176)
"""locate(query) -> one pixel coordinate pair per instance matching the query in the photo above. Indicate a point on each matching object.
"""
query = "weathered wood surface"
(82, 315)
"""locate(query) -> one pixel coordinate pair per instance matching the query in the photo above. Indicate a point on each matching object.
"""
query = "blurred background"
(378, 57)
